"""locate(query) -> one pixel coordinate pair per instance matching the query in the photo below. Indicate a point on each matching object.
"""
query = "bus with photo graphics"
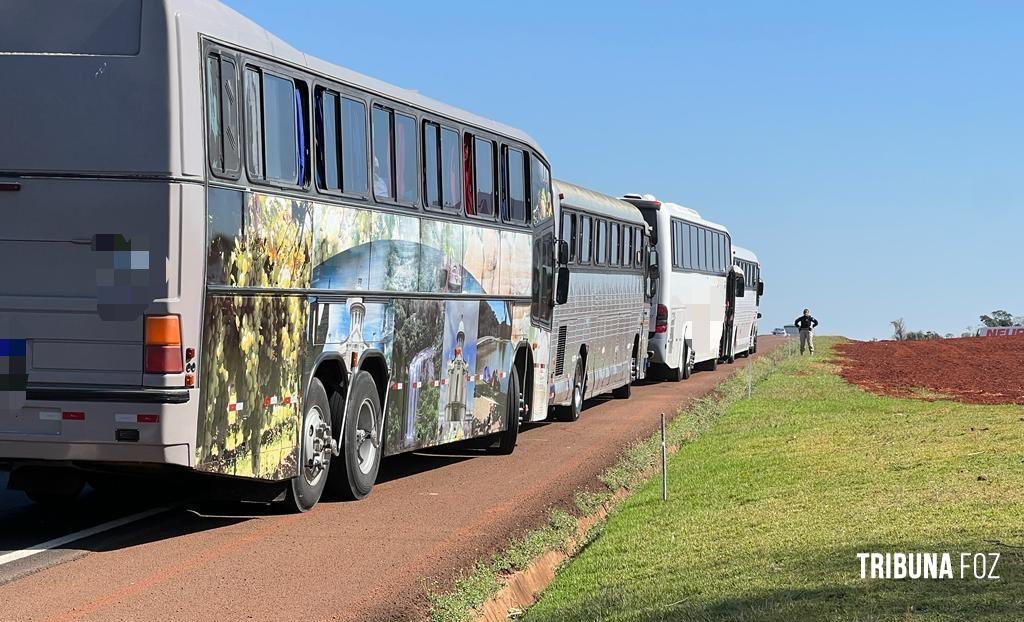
(746, 301)
(692, 257)
(599, 329)
(239, 260)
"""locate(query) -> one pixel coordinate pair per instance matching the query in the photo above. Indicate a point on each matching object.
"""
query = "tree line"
(999, 317)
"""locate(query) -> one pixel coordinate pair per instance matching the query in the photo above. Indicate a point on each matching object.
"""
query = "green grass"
(769, 507)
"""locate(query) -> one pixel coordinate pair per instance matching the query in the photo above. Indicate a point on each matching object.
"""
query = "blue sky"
(871, 153)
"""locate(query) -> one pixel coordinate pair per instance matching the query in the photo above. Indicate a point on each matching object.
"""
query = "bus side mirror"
(739, 288)
(653, 283)
(759, 315)
(653, 258)
(562, 291)
(562, 253)
(760, 288)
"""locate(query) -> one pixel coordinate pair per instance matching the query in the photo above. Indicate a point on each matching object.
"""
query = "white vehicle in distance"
(779, 332)
(693, 259)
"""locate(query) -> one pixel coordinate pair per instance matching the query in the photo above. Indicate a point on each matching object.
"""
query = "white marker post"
(664, 462)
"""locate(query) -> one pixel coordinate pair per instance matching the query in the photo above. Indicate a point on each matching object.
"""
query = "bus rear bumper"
(15, 451)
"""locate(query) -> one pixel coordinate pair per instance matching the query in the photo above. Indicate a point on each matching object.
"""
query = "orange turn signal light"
(163, 330)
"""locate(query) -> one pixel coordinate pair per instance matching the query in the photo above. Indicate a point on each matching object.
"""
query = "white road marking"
(35, 549)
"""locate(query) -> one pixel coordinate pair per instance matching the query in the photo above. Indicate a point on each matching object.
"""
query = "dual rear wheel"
(358, 460)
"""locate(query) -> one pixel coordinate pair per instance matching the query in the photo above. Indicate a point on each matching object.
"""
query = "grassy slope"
(767, 511)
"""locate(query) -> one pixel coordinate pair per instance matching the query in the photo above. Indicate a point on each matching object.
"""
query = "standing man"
(806, 324)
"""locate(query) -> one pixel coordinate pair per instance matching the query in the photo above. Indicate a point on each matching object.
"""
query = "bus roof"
(596, 203)
(649, 201)
(217, 20)
(745, 254)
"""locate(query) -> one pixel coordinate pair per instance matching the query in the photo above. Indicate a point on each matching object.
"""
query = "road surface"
(430, 516)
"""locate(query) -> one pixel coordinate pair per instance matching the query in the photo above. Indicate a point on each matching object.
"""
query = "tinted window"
(569, 233)
(540, 190)
(613, 244)
(253, 124)
(584, 236)
(483, 151)
(328, 174)
(381, 152)
(279, 129)
(601, 242)
(694, 247)
(214, 143)
(515, 166)
(431, 164)
(222, 116)
(353, 142)
(451, 169)
(627, 246)
(405, 158)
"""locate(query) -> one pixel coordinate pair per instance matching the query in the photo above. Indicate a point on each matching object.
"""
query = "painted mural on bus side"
(448, 357)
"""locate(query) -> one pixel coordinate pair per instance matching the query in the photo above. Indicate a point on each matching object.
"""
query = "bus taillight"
(661, 320)
(162, 345)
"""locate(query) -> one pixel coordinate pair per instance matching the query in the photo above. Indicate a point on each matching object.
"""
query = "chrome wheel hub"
(317, 445)
(367, 437)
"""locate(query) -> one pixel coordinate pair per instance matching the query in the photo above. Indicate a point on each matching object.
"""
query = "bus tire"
(361, 441)
(507, 439)
(622, 392)
(314, 450)
(730, 359)
(579, 388)
(753, 347)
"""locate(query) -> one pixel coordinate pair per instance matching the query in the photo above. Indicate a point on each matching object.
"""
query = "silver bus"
(236, 259)
(599, 331)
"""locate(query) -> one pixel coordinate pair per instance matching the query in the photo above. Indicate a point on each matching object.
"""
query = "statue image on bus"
(457, 377)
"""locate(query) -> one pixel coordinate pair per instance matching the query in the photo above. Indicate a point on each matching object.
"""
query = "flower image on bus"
(693, 257)
(599, 332)
(237, 259)
(744, 329)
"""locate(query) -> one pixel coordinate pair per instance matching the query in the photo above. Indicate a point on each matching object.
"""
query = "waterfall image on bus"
(692, 257)
(599, 330)
(240, 260)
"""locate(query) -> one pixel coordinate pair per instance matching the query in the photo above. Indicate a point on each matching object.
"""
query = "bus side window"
(601, 242)
(627, 247)
(585, 235)
(276, 128)
(638, 247)
(483, 179)
(569, 233)
(614, 251)
(514, 207)
(222, 116)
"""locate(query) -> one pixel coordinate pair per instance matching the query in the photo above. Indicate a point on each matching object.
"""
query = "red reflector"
(10, 187)
(73, 416)
(661, 328)
(163, 360)
(148, 418)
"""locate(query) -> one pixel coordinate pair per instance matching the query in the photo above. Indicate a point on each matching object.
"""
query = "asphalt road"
(430, 516)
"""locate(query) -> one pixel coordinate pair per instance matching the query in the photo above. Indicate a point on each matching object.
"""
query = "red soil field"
(975, 370)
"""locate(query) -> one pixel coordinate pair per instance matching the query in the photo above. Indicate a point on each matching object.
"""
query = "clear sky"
(870, 153)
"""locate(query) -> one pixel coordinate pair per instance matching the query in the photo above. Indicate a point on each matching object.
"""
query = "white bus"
(237, 259)
(744, 322)
(693, 258)
(599, 333)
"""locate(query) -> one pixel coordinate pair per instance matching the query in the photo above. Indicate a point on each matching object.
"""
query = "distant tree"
(922, 335)
(999, 317)
(950, 335)
(899, 329)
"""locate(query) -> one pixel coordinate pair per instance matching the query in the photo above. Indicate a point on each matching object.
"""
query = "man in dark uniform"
(806, 324)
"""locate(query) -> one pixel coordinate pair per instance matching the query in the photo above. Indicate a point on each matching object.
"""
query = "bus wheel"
(575, 407)
(314, 450)
(753, 348)
(730, 359)
(513, 412)
(360, 440)
(675, 374)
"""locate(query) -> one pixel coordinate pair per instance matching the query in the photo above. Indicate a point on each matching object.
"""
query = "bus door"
(733, 287)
